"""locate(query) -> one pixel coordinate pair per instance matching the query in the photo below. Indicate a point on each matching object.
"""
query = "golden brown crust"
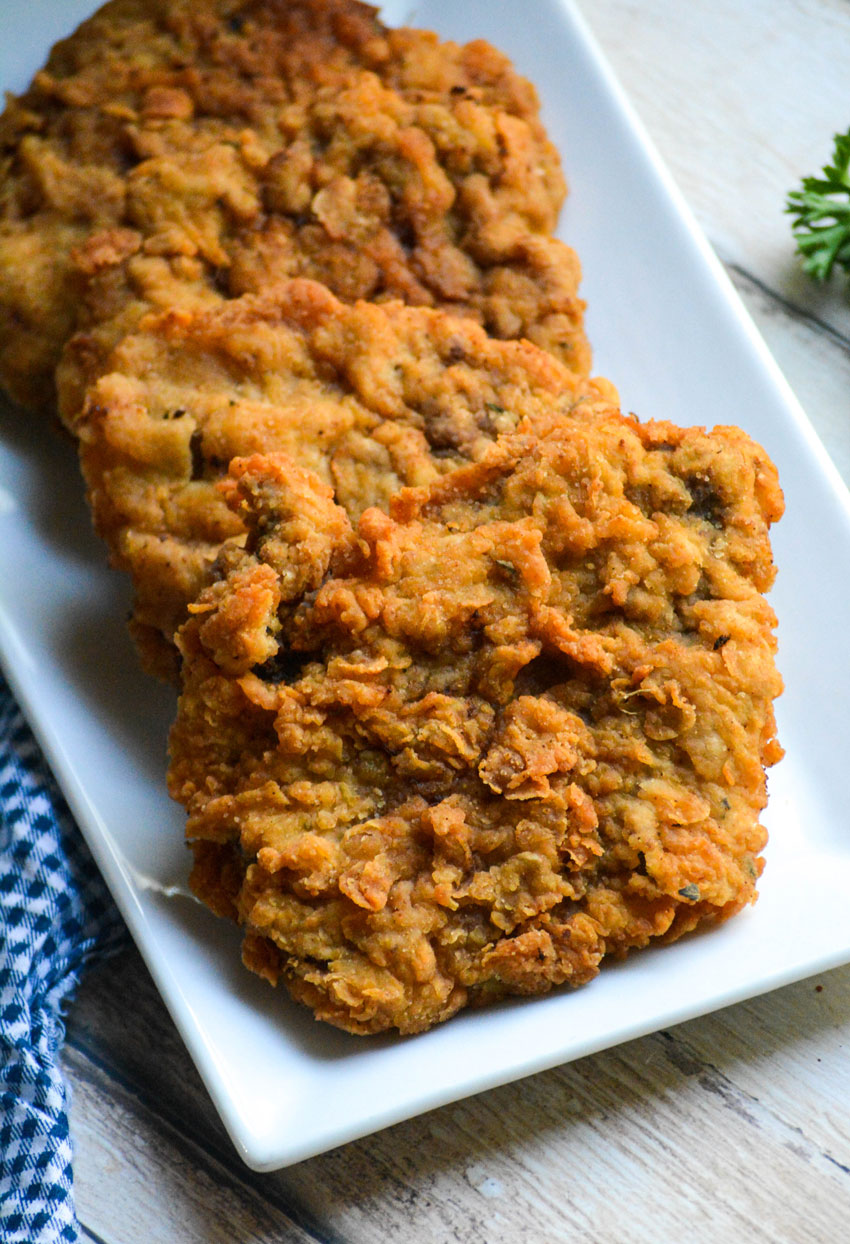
(170, 151)
(370, 397)
(474, 746)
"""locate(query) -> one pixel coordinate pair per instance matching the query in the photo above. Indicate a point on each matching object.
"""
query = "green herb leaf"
(821, 211)
(690, 892)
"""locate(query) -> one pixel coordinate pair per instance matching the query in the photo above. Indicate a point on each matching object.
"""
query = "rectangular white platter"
(669, 330)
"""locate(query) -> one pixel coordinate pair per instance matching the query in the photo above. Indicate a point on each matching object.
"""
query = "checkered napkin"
(55, 917)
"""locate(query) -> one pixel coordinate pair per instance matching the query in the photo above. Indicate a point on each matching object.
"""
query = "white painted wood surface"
(732, 1127)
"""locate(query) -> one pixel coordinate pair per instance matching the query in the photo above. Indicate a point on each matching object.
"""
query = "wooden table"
(732, 1127)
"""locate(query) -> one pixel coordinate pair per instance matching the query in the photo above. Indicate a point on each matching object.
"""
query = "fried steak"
(174, 153)
(370, 397)
(468, 748)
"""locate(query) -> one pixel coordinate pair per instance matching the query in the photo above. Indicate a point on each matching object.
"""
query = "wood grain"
(741, 100)
(732, 1127)
(725, 1127)
(137, 1168)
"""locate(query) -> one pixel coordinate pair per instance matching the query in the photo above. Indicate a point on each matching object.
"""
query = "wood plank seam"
(746, 1105)
(91, 1235)
(792, 309)
(835, 1162)
(79, 1065)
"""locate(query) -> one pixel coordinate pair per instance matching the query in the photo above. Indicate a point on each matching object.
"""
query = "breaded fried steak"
(472, 747)
(178, 152)
(370, 397)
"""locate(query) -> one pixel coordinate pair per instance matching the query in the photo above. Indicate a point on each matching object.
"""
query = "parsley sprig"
(821, 211)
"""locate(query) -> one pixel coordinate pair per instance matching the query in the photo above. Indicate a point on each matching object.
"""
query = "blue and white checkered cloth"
(56, 917)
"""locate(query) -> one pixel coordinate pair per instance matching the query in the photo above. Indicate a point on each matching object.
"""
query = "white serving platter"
(670, 331)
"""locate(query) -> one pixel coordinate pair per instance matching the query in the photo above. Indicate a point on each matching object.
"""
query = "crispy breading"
(474, 746)
(172, 150)
(370, 397)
